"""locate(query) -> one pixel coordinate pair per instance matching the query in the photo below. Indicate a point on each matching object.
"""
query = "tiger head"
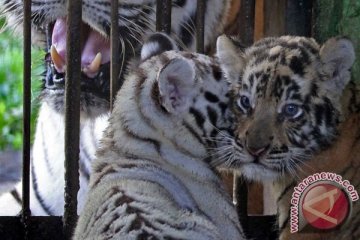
(286, 99)
(136, 21)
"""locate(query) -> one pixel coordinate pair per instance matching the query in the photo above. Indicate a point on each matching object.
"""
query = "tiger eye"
(244, 103)
(292, 110)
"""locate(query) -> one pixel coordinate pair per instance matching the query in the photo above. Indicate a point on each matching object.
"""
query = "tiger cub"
(151, 178)
(296, 114)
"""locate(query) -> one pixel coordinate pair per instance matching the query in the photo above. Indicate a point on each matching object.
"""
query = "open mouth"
(95, 59)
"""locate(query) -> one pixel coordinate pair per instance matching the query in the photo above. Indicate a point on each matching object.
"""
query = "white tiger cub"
(151, 178)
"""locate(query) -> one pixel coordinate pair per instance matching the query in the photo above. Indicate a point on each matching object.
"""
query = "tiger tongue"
(58, 48)
(96, 49)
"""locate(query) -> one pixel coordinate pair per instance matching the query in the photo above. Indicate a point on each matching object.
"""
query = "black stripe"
(155, 96)
(193, 132)
(217, 73)
(179, 3)
(85, 157)
(130, 133)
(83, 170)
(213, 117)
(199, 118)
(45, 150)
(211, 97)
(140, 87)
(288, 187)
(46, 208)
(16, 195)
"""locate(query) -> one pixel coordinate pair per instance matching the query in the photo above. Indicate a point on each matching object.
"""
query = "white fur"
(170, 184)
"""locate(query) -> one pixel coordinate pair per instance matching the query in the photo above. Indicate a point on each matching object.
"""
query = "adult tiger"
(295, 114)
(136, 20)
(152, 178)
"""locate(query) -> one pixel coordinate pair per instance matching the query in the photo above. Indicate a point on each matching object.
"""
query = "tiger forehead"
(275, 64)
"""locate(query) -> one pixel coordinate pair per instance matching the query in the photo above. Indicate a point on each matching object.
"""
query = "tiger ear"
(176, 82)
(231, 57)
(155, 44)
(337, 56)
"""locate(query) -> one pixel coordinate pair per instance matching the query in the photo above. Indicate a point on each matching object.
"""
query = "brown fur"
(345, 152)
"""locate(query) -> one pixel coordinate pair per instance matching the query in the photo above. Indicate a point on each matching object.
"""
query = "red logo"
(325, 206)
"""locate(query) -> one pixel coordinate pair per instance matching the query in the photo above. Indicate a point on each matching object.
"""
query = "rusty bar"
(246, 25)
(298, 17)
(115, 51)
(246, 21)
(274, 18)
(26, 117)
(72, 115)
(166, 16)
(159, 11)
(240, 193)
(163, 16)
(200, 19)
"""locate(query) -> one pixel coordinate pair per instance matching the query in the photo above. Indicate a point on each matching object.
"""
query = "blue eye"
(292, 110)
(244, 103)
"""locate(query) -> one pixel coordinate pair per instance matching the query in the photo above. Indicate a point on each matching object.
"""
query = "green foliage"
(349, 25)
(11, 88)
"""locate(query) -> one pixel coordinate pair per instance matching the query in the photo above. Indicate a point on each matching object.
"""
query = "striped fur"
(151, 178)
(295, 114)
(137, 20)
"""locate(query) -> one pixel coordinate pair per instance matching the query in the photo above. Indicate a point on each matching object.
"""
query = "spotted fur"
(136, 21)
(295, 114)
(152, 178)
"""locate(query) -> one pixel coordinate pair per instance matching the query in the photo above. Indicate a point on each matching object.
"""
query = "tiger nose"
(256, 151)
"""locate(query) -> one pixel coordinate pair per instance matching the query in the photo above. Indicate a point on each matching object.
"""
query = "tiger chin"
(296, 113)
(152, 178)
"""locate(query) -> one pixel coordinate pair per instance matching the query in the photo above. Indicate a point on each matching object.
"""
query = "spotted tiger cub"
(296, 113)
(49, 19)
(152, 178)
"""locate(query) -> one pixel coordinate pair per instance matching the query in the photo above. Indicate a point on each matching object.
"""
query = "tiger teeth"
(59, 63)
(94, 66)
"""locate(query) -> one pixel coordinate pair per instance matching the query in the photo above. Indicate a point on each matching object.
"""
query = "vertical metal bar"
(246, 21)
(163, 16)
(246, 26)
(159, 18)
(240, 193)
(26, 117)
(200, 18)
(166, 16)
(115, 51)
(274, 17)
(72, 114)
(298, 17)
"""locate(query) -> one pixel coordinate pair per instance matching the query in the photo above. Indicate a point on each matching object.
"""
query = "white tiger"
(136, 20)
(152, 178)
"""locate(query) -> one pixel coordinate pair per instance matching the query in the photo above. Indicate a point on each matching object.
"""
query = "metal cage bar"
(247, 21)
(163, 16)
(298, 17)
(115, 48)
(72, 115)
(240, 189)
(200, 19)
(26, 117)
